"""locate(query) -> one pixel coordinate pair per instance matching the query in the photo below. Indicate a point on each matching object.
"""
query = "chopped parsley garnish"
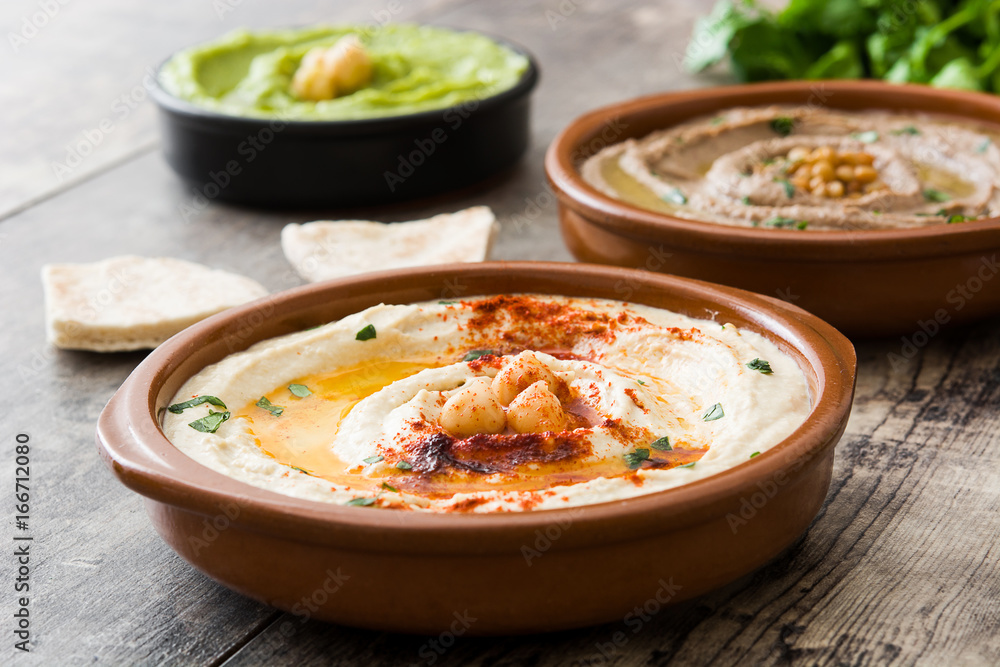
(789, 188)
(447, 303)
(718, 120)
(367, 333)
(746, 201)
(374, 459)
(275, 410)
(472, 355)
(778, 222)
(674, 196)
(403, 465)
(360, 502)
(389, 487)
(959, 218)
(930, 194)
(634, 459)
(909, 129)
(760, 365)
(661, 444)
(869, 137)
(983, 146)
(211, 422)
(641, 382)
(688, 465)
(782, 125)
(299, 390)
(178, 408)
(302, 470)
(713, 413)
(755, 454)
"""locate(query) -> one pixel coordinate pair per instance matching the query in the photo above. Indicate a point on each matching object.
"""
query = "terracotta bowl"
(512, 573)
(866, 283)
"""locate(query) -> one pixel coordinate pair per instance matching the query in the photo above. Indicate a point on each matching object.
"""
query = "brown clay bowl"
(512, 573)
(864, 282)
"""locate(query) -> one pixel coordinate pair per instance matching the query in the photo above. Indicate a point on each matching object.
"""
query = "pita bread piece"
(135, 303)
(325, 250)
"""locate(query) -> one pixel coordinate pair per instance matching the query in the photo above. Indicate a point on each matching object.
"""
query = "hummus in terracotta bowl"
(873, 205)
(587, 440)
(808, 168)
(493, 404)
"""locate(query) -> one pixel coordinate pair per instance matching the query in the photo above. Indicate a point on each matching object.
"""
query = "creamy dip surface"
(808, 169)
(504, 403)
(414, 68)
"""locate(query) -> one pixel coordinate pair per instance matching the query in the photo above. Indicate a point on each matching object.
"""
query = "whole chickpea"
(845, 172)
(865, 174)
(518, 373)
(328, 72)
(823, 169)
(835, 189)
(473, 409)
(536, 410)
(798, 154)
(822, 153)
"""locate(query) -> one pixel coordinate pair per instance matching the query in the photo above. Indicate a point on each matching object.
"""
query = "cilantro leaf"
(661, 444)
(782, 125)
(779, 222)
(211, 422)
(674, 196)
(713, 413)
(367, 333)
(760, 365)
(787, 185)
(472, 355)
(869, 137)
(634, 459)
(930, 194)
(275, 410)
(178, 408)
(299, 390)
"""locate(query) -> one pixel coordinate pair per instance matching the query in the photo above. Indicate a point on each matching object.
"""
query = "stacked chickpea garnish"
(827, 172)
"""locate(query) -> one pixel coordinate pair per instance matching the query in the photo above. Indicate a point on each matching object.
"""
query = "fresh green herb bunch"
(943, 43)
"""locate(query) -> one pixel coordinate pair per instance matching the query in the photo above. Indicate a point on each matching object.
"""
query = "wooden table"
(902, 566)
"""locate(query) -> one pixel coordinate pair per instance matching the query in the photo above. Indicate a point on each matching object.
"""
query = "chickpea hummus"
(491, 404)
(808, 168)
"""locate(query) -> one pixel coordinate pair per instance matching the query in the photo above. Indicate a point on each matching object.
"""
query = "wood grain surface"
(901, 567)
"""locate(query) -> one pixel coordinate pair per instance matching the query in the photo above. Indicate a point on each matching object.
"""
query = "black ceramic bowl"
(271, 162)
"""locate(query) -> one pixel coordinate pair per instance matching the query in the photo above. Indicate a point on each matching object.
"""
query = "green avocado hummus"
(416, 68)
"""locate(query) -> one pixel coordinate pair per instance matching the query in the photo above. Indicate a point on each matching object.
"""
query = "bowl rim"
(131, 442)
(627, 219)
(169, 102)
